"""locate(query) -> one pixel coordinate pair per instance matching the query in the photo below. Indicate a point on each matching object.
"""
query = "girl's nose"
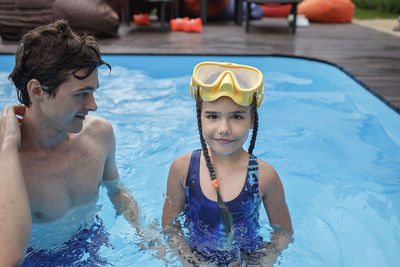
(224, 127)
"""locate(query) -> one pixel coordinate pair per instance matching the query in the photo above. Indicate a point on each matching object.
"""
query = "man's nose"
(90, 103)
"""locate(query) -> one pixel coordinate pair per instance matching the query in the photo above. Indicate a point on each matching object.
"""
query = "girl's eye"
(237, 117)
(211, 116)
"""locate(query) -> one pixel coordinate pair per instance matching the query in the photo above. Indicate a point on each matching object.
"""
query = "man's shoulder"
(97, 126)
(93, 122)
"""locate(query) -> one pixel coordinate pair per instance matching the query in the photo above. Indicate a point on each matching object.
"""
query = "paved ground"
(370, 52)
(383, 25)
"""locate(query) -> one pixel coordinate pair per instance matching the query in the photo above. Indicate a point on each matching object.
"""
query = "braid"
(254, 114)
(203, 143)
(223, 209)
(254, 134)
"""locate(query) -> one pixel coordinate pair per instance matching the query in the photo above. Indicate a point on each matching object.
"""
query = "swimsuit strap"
(194, 166)
(251, 184)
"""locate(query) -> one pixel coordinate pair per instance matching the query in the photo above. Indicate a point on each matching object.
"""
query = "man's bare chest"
(56, 182)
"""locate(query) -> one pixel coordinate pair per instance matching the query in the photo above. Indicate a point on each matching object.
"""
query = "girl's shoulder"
(180, 166)
(268, 178)
(265, 169)
(182, 160)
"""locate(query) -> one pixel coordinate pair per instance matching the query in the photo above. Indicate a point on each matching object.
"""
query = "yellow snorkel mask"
(211, 80)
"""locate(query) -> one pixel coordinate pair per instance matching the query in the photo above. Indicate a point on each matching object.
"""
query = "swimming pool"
(334, 144)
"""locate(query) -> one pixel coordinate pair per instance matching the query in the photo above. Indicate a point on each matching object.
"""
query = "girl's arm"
(273, 196)
(175, 198)
(173, 206)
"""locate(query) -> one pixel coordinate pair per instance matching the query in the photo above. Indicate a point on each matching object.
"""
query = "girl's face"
(225, 125)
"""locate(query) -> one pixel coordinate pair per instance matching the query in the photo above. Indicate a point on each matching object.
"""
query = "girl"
(219, 188)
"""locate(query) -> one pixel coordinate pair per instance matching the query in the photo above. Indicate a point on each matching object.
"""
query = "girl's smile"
(224, 141)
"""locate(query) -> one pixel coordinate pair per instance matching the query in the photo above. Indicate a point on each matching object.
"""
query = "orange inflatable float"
(193, 25)
(141, 19)
(178, 24)
(327, 10)
(186, 24)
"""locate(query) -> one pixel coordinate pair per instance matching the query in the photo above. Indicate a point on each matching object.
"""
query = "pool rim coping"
(366, 87)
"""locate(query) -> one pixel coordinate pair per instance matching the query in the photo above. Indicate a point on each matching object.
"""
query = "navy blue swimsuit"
(205, 230)
(81, 250)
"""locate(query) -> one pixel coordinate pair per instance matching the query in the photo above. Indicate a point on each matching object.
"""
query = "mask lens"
(209, 74)
(212, 78)
(247, 79)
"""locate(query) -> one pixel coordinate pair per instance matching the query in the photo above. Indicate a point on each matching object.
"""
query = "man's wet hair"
(50, 54)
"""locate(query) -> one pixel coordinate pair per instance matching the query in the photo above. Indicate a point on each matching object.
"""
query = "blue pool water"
(334, 144)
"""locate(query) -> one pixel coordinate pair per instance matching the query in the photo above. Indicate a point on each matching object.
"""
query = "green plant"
(389, 6)
(361, 13)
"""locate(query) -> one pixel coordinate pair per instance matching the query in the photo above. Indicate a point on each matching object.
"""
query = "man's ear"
(34, 89)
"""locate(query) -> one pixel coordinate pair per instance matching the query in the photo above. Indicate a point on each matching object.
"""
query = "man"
(65, 153)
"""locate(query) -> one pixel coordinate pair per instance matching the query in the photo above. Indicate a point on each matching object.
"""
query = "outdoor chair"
(161, 4)
(126, 6)
(238, 11)
(294, 3)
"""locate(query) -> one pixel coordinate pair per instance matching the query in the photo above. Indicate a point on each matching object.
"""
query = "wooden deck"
(373, 57)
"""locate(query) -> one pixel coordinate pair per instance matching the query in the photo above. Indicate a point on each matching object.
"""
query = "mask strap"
(259, 100)
(193, 84)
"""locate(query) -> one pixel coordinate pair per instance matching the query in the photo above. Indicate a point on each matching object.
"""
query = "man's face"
(73, 101)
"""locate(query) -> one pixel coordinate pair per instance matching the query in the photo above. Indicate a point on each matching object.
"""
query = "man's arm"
(15, 215)
(120, 195)
(123, 201)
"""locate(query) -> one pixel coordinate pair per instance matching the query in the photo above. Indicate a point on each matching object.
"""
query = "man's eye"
(83, 94)
(237, 117)
(211, 116)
